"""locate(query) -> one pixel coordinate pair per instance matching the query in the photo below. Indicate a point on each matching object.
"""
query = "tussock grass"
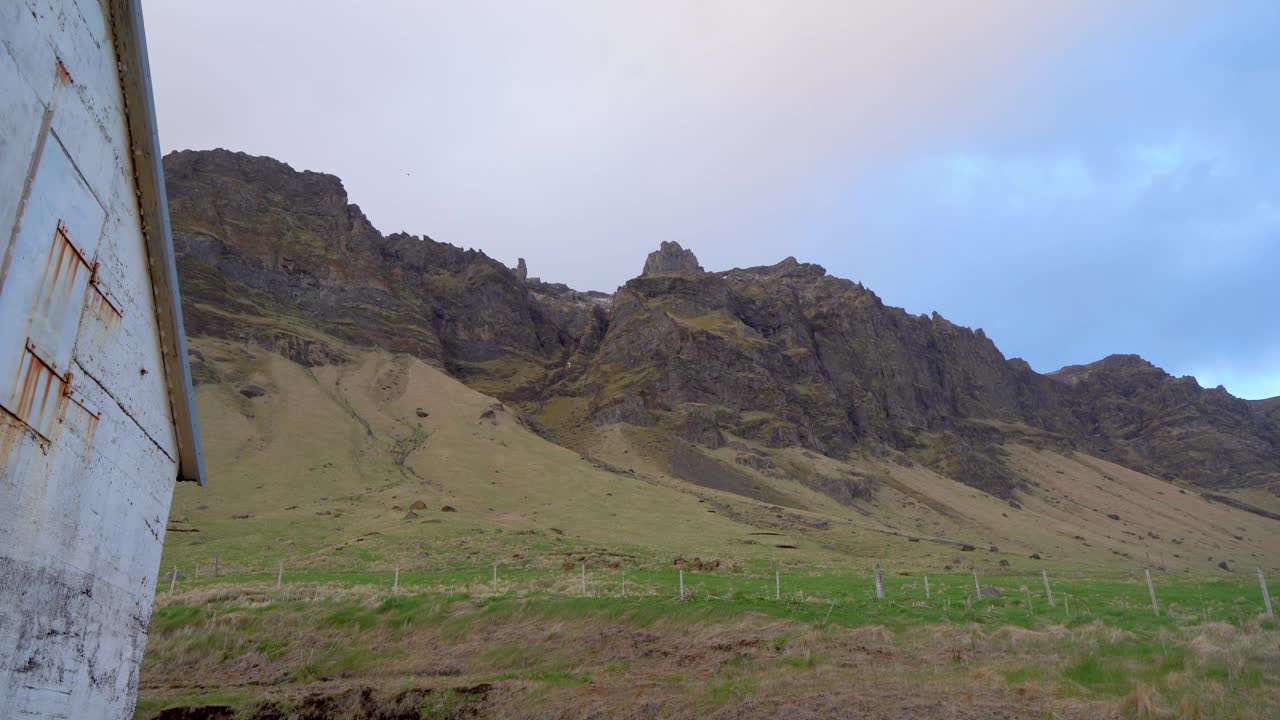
(715, 654)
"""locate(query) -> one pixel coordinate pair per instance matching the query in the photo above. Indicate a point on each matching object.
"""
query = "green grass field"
(1100, 651)
(843, 599)
(345, 474)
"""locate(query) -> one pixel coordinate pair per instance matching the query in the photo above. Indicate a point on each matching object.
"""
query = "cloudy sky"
(1077, 178)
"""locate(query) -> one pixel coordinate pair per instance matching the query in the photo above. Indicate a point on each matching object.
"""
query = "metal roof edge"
(140, 114)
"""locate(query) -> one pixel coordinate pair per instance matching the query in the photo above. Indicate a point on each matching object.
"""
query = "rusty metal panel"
(41, 395)
(43, 290)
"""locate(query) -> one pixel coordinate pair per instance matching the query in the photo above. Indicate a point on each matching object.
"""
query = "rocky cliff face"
(1130, 411)
(781, 355)
(258, 241)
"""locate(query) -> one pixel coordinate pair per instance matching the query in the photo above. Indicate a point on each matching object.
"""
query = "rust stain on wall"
(64, 256)
(40, 400)
(63, 76)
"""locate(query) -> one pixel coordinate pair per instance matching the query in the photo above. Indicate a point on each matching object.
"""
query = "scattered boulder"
(1034, 556)
(448, 508)
(252, 391)
(1113, 516)
(241, 516)
(411, 515)
(988, 592)
(418, 505)
(1004, 563)
(967, 548)
(421, 413)
(1224, 566)
(522, 270)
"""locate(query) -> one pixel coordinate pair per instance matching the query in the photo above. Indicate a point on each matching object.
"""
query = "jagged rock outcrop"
(257, 239)
(671, 258)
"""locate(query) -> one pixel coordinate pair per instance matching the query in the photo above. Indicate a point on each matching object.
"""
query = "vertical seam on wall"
(45, 124)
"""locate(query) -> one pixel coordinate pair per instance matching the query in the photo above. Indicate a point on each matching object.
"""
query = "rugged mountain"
(258, 242)
(710, 371)
(1134, 413)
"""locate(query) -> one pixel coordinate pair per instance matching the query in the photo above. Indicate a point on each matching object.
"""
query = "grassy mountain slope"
(327, 463)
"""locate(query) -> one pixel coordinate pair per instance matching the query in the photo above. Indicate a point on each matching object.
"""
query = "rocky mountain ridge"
(781, 356)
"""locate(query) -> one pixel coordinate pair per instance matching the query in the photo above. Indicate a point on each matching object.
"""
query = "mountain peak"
(1110, 364)
(671, 258)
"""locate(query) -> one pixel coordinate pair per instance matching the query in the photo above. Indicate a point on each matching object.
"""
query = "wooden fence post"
(495, 577)
(1047, 590)
(681, 583)
(777, 585)
(927, 596)
(879, 584)
(977, 591)
(1266, 594)
(280, 576)
(395, 584)
(215, 566)
(1151, 588)
(584, 579)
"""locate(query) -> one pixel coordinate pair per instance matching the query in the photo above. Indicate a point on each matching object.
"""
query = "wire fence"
(945, 594)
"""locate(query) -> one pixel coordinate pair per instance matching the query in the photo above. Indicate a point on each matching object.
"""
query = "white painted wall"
(83, 510)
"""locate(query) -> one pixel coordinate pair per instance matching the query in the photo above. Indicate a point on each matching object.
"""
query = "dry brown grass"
(540, 665)
(1140, 704)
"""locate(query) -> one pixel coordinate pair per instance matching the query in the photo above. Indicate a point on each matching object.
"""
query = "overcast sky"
(1076, 178)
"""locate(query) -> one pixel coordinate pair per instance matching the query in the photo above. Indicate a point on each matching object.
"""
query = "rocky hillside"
(258, 241)
(691, 362)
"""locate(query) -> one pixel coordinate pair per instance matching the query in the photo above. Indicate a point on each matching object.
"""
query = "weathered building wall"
(83, 502)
